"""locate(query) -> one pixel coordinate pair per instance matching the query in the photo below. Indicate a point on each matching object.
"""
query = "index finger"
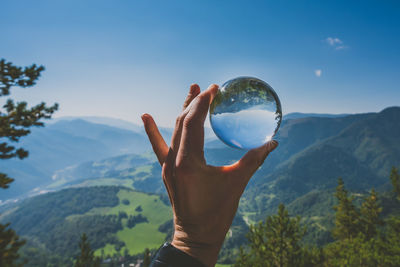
(192, 141)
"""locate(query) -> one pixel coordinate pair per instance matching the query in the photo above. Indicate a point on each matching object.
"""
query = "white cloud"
(335, 43)
(318, 73)
(340, 47)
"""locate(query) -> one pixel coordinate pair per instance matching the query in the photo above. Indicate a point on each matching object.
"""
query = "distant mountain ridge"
(299, 115)
(63, 144)
(361, 150)
(70, 142)
(113, 122)
(305, 140)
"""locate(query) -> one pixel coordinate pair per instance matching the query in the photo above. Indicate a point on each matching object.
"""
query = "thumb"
(253, 159)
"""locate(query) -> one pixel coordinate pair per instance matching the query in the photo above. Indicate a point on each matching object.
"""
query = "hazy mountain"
(122, 124)
(65, 143)
(113, 122)
(298, 115)
(116, 140)
(133, 171)
(313, 153)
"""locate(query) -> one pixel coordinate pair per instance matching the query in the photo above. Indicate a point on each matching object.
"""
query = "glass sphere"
(245, 113)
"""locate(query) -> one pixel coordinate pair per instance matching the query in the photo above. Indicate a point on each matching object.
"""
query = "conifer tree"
(392, 241)
(15, 121)
(395, 179)
(9, 246)
(146, 258)
(347, 222)
(358, 242)
(275, 242)
(17, 118)
(370, 211)
(86, 257)
(244, 258)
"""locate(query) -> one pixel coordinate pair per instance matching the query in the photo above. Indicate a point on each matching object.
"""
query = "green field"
(143, 235)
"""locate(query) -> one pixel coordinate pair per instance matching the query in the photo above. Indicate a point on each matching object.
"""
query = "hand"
(204, 198)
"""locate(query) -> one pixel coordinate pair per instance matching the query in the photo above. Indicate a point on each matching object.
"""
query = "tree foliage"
(359, 242)
(347, 222)
(10, 243)
(369, 212)
(133, 220)
(86, 257)
(395, 179)
(361, 238)
(17, 118)
(276, 242)
(146, 258)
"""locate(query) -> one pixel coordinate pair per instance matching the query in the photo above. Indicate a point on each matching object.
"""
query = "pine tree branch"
(11, 75)
(5, 180)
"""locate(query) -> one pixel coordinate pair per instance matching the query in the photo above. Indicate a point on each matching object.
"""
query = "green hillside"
(362, 153)
(114, 218)
(120, 170)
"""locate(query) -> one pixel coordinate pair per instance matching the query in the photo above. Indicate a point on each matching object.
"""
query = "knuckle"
(260, 161)
(187, 101)
(189, 121)
(179, 165)
(182, 167)
(164, 173)
(179, 120)
(203, 97)
(189, 96)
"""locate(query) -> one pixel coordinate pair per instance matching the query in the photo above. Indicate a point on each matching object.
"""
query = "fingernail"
(272, 145)
(193, 88)
(214, 88)
(144, 117)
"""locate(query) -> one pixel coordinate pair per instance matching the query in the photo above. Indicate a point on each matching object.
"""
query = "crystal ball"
(245, 113)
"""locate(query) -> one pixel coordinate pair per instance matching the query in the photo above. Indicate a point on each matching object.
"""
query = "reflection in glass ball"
(245, 113)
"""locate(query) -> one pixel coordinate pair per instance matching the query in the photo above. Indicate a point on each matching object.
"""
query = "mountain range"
(313, 152)
(69, 141)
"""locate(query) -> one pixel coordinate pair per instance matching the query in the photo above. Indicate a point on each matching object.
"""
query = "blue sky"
(123, 58)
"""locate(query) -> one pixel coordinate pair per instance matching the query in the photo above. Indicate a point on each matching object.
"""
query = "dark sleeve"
(169, 256)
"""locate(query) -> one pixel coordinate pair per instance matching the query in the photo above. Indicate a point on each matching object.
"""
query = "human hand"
(204, 198)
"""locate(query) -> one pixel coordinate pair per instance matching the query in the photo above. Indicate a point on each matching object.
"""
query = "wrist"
(168, 255)
(207, 253)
